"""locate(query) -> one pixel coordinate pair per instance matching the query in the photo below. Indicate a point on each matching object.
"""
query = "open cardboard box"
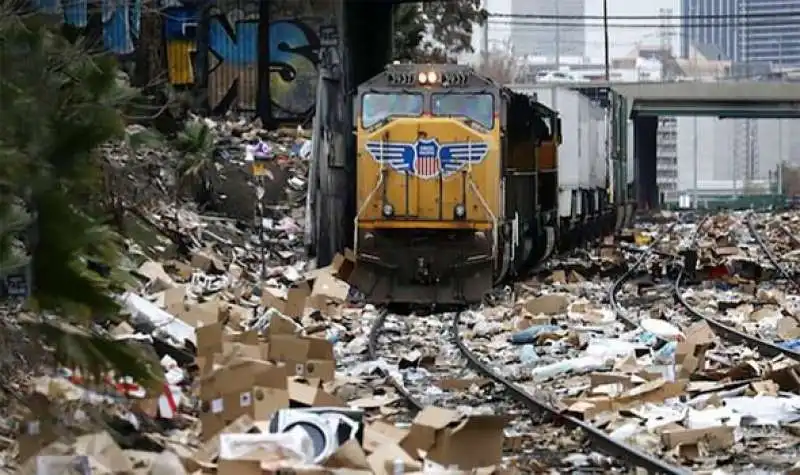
(450, 439)
(245, 387)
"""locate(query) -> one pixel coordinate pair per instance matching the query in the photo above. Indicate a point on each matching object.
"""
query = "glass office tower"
(771, 37)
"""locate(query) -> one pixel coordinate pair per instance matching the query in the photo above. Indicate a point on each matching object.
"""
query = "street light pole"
(780, 121)
(605, 41)
(696, 171)
(558, 37)
(694, 133)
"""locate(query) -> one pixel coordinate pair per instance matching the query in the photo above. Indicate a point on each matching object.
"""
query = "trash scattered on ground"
(265, 358)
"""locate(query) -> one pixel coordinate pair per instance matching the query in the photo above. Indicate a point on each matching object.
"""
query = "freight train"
(461, 183)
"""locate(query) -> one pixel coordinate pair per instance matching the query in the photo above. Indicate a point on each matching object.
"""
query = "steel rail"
(795, 240)
(770, 255)
(624, 453)
(372, 349)
(727, 332)
(619, 313)
(600, 440)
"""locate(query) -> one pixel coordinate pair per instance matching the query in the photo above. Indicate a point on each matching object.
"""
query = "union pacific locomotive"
(458, 186)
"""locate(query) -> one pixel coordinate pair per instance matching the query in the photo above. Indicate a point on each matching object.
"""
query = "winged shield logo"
(428, 159)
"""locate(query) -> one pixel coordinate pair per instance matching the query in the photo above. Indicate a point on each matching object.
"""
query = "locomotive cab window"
(476, 107)
(378, 107)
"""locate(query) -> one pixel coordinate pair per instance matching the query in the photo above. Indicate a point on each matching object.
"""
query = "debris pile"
(252, 344)
(667, 382)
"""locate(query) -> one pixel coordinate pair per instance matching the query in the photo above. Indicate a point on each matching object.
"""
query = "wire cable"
(771, 22)
(737, 16)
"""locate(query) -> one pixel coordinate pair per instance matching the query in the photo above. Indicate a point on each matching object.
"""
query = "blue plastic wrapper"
(793, 345)
(529, 335)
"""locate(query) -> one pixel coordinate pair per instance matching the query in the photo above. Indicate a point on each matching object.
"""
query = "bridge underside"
(754, 100)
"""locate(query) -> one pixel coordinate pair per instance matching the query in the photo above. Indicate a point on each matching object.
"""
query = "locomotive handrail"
(367, 202)
(488, 209)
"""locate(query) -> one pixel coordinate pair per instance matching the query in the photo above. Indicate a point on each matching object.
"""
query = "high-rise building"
(564, 38)
(667, 158)
(718, 32)
(769, 37)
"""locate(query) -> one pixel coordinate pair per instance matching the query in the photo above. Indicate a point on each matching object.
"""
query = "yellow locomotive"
(457, 184)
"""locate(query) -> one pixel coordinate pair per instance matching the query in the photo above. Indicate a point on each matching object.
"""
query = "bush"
(60, 102)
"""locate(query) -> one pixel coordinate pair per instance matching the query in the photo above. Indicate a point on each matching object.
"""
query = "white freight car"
(583, 160)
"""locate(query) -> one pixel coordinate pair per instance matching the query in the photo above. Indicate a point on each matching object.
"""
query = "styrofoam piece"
(161, 319)
(294, 444)
(662, 329)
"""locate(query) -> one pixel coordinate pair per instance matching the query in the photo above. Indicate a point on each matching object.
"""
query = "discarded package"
(327, 428)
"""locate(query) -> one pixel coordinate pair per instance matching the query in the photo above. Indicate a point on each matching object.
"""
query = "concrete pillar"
(644, 152)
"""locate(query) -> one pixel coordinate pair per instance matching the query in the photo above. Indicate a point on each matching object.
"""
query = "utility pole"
(610, 155)
(485, 39)
(693, 52)
(696, 162)
(558, 36)
(780, 121)
(605, 41)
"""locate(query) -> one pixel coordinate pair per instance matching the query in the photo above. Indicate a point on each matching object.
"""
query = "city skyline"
(568, 40)
(621, 40)
(770, 38)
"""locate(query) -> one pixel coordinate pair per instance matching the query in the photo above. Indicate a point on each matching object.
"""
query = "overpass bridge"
(647, 101)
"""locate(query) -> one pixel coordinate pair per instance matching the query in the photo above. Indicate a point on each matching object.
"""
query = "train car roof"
(535, 104)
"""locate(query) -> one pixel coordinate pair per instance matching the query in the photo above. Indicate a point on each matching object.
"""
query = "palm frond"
(95, 354)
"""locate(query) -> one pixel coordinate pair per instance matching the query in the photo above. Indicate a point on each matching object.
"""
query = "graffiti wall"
(120, 19)
(294, 51)
(296, 44)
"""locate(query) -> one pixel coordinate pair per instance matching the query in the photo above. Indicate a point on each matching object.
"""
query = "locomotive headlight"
(422, 78)
(432, 77)
(388, 210)
(460, 211)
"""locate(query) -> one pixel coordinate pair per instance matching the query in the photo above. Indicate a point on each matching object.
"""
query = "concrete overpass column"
(644, 152)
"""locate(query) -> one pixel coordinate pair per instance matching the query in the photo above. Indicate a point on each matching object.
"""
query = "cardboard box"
(245, 387)
(690, 353)
(474, 442)
(303, 393)
(307, 357)
(292, 302)
(451, 439)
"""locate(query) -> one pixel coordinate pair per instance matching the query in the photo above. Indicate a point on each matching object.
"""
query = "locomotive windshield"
(377, 107)
(476, 107)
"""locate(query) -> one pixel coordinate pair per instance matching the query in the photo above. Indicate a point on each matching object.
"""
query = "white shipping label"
(217, 406)
(245, 399)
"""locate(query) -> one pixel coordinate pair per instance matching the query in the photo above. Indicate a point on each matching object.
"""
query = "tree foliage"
(436, 32)
(500, 64)
(60, 103)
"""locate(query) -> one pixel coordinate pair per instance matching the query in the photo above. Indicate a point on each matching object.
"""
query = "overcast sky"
(621, 40)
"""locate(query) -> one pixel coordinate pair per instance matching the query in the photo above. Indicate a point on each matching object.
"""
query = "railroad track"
(454, 384)
(771, 356)
(759, 450)
(539, 417)
(539, 421)
(546, 406)
(725, 330)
